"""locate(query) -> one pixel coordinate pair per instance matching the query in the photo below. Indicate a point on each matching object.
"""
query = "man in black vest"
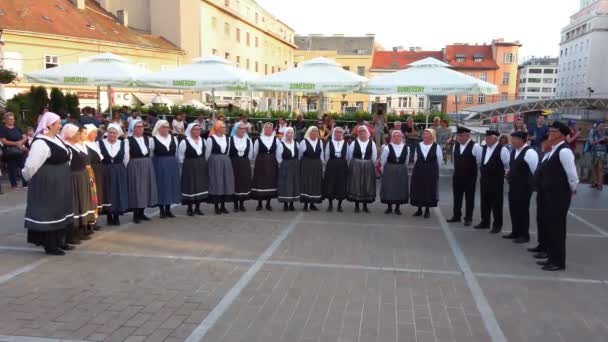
(494, 166)
(541, 248)
(523, 163)
(557, 181)
(467, 155)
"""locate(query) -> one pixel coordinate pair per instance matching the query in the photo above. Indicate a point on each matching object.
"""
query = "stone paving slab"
(597, 217)
(12, 260)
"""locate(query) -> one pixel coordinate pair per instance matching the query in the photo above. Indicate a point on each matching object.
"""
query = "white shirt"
(113, 149)
(425, 149)
(178, 127)
(302, 147)
(196, 144)
(240, 144)
(280, 149)
(477, 151)
(266, 140)
(38, 154)
(363, 146)
(566, 158)
(338, 145)
(220, 141)
(386, 151)
(505, 157)
(282, 129)
(531, 158)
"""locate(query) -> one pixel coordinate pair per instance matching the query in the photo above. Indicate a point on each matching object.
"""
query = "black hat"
(563, 129)
(492, 132)
(520, 134)
(462, 129)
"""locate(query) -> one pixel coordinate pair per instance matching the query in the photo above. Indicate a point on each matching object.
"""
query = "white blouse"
(240, 145)
(113, 150)
(337, 149)
(302, 148)
(425, 149)
(266, 140)
(38, 154)
(280, 149)
(386, 151)
(142, 144)
(363, 146)
(196, 144)
(220, 141)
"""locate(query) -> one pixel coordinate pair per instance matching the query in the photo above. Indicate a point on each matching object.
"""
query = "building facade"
(353, 53)
(538, 79)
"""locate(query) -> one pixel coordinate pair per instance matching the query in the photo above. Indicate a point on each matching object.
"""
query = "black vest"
(552, 176)
(465, 164)
(520, 177)
(78, 162)
(191, 151)
(93, 156)
(431, 157)
(215, 147)
(309, 153)
(135, 151)
(494, 168)
(118, 158)
(357, 151)
(234, 153)
(392, 156)
(262, 149)
(58, 154)
(287, 155)
(332, 150)
(161, 150)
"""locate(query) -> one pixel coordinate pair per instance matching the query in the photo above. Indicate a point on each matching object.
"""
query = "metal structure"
(487, 111)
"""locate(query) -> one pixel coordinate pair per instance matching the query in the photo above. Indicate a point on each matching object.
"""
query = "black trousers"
(540, 227)
(464, 186)
(519, 210)
(491, 193)
(554, 215)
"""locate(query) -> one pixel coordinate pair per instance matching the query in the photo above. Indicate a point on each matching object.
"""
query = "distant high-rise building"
(537, 79)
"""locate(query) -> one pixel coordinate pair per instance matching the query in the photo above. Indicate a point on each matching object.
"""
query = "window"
(504, 97)
(483, 75)
(421, 102)
(265, 69)
(457, 99)
(534, 90)
(359, 105)
(506, 77)
(459, 58)
(347, 68)
(257, 41)
(478, 59)
(214, 52)
(51, 61)
(238, 61)
(257, 17)
(548, 71)
(227, 56)
(248, 39)
(214, 23)
(256, 66)
(509, 58)
(535, 71)
(361, 70)
(523, 80)
(238, 35)
(481, 99)
(547, 80)
(400, 102)
(273, 69)
(394, 65)
(227, 29)
(547, 90)
(247, 65)
(469, 99)
(389, 101)
(534, 80)
(143, 66)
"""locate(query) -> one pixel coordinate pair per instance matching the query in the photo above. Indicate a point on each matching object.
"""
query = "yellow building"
(353, 53)
(41, 34)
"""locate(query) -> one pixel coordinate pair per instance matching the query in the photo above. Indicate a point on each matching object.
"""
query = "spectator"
(300, 127)
(536, 133)
(13, 149)
(575, 133)
(151, 120)
(504, 141)
(323, 132)
(597, 141)
(444, 138)
(518, 125)
(281, 128)
(117, 119)
(380, 128)
(411, 135)
(242, 123)
(177, 126)
(135, 116)
(397, 126)
(87, 117)
(124, 114)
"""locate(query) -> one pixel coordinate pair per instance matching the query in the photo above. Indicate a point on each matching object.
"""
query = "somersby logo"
(410, 89)
(75, 79)
(301, 86)
(184, 83)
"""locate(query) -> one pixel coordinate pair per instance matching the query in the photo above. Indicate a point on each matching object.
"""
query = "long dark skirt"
(289, 181)
(195, 181)
(265, 177)
(424, 187)
(98, 171)
(167, 180)
(395, 187)
(334, 182)
(311, 180)
(49, 204)
(361, 181)
(221, 178)
(143, 189)
(82, 199)
(115, 185)
(242, 178)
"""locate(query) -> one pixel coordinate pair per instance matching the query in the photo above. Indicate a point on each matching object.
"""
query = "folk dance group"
(552, 174)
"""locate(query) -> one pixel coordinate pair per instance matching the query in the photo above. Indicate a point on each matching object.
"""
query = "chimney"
(123, 17)
(80, 4)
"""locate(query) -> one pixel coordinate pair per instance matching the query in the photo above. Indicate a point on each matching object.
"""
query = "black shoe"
(170, 214)
(54, 251)
(96, 227)
(543, 263)
(388, 211)
(418, 213)
(495, 230)
(536, 249)
(67, 247)
(427, 214)
(541, 255)
(242, 207)
(339, 209)
(259, 207)
(521, 240)
(357, 210)
(510, 236)
(198, 212)
(553, 268)
(313, 207)
(397, 211)
(454, 219)
(365, 209)
(330, 208)
(236, 208)
(268, 207)
(136, 219)
(224, 211)
(292, 207)
(163, 214)
(218, 211)
(189, 212)
(109, 220)
(285, 206)
(482, 226)
(116, 220)
(467, 223)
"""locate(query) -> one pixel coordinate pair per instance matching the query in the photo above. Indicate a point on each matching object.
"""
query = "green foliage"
(72, 105)
(39, 100)
(7, 76)
(57, 103)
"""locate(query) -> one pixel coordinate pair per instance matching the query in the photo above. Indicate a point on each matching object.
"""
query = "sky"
(432, 24)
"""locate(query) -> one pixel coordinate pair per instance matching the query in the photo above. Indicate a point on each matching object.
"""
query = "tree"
(72, 105)
(38, 101)
(57, 103)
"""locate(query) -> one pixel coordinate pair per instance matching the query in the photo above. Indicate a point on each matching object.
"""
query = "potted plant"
(7, 76)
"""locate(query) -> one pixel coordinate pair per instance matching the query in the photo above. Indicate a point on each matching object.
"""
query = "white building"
(583, 56)
(538, 79)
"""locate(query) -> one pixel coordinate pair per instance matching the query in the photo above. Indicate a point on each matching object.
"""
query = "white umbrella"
(428, 77)
(160, 100)
(319, 75)
(106, 69)
(208, 73)
(196, 104)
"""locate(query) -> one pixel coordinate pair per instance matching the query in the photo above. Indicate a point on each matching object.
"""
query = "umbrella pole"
(109, 93)
(213, 104)
(99, 100)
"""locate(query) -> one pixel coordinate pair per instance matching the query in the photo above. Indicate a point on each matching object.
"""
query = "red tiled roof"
(401, 59)
(63, 18)
(469, 52)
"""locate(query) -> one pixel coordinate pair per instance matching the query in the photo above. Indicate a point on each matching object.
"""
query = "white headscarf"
(284, 138)
(190, 127)
(333, 132)
(159, 124)
(90, 128)
(47, 120)
(432, 131)
(309, 130)
(369, 134)
(397, 132)
(69, 131)
(116, 127)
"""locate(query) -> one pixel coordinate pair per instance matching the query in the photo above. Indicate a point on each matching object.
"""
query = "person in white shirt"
(522, 166)
(96, 164)
(557, 184)
(336, 169)
(264, 187)
(195, 176)
(178, 126)
(115, 159)
(241, 153)
(289, 170)
(467, 157)
(425, 176)
(221, 175)
(395, 186)
(163, 148)
(311, 166)
(494, 166)
(143, 188)
(362, 155)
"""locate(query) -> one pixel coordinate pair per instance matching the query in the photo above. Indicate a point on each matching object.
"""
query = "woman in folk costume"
(49, 195)
(311, 169)
(143, 189)
(336, 169)
(264, 187)
(395, 188)
(289, 170)
(362, 155)
(241, 153)
(195, 176)
(425, 176)
(82, 198)
(95, 158)
(115, 184)
(164, 157)
(221, 176)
